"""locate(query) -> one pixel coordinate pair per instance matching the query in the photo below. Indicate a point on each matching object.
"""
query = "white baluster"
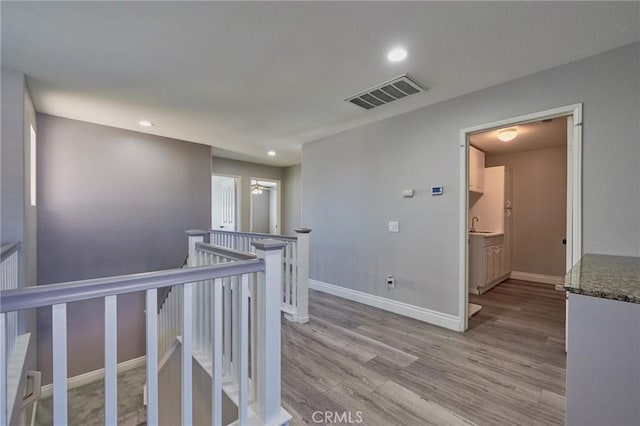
(59, 340)
(3, 371)
(110, 360)
(243, 358)
(216, 360)
(294, 275)
(152, 355)
(235, 330)
(187, 359)
(227, 325)
(287, 277)
(253, 281)
(302, 261)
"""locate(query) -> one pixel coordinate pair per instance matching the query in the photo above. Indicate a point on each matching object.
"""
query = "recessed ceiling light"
(145, 123)
(397, 54)
(271, 153)
(506, 135)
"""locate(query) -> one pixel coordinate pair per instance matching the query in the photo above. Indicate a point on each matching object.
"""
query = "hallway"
(509, 368)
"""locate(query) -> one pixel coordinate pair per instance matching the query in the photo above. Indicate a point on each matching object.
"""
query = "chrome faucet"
(473, 223)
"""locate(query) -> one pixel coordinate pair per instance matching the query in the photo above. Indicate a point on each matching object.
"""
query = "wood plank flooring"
(508, 369)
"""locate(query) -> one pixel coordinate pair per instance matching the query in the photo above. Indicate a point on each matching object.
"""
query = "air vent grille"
(386, 92)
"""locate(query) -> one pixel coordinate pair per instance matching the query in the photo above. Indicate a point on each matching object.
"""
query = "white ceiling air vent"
(386, 92)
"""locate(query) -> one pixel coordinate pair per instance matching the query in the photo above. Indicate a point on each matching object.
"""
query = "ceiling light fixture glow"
(145, 123)
(271, 153)
(506, 135)
(397, 54)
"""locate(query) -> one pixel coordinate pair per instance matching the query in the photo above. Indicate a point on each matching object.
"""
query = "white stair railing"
(266, 266)
(295, 274)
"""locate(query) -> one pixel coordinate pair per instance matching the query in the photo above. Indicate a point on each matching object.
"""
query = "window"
(32, 166)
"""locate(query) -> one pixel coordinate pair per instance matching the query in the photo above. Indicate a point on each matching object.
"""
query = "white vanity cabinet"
(487, 261)
(476, 170)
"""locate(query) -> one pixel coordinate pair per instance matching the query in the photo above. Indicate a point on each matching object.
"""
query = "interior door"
(228, 205)
(223, 207)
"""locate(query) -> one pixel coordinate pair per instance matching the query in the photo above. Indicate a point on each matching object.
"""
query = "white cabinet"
(487, 262)
(476, 170)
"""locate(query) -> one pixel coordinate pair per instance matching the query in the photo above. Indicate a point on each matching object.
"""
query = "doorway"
(224, 202)
(486, 251)
(265, 206)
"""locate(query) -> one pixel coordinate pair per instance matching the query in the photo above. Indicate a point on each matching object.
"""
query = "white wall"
(291, 195)
(352, 181)
(539, 208)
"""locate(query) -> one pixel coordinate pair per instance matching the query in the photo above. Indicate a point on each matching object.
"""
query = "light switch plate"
(394, 226)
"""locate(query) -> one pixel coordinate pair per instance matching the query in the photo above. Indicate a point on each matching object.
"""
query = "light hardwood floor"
(508, 369)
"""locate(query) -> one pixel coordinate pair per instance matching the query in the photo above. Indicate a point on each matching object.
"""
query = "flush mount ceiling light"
(506, 135)
(145, 123)
(271, 153)
(397, 54)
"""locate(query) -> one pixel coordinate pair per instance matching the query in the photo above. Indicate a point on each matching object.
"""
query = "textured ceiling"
(247, 77)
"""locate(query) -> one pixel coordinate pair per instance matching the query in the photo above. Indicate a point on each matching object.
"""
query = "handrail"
(224, 251)
(9, 248)
(256, 234)
(74, 291)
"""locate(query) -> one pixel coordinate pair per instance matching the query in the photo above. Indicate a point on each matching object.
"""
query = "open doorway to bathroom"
(521, 210)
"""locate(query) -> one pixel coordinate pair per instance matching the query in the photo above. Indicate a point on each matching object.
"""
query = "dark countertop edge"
(598, 294)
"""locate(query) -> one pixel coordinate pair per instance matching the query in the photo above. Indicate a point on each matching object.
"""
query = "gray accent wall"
(111, 202)
(539, 208)
(292, 198)
(245, 171)
(352, 181)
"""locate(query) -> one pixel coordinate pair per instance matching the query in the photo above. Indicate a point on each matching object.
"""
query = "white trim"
(574, 193)
(423, 314)
(537, 278)
(94, 376)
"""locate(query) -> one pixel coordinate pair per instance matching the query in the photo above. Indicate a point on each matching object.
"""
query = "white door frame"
(279, 202)
(574, 191)
(238, 197)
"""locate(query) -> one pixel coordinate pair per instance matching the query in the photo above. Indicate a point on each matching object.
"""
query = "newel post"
(302, 308)
(195, 236)
(268, 297)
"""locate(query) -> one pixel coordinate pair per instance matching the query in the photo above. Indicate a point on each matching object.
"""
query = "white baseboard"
(423, 314)
(537, 278)
(94, 376)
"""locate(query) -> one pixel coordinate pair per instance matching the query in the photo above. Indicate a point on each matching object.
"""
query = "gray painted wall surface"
(352, 181)
(603, 362)
(12, 156)
(245, 171)
(292, 201)
(539, 208)
(112, 202)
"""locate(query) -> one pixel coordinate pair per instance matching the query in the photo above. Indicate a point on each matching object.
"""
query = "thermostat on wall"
(437, 190)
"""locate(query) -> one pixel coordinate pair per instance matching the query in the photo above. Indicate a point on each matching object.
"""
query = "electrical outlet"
(391, 282)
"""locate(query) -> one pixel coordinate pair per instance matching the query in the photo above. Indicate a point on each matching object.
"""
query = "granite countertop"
(607, 277)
